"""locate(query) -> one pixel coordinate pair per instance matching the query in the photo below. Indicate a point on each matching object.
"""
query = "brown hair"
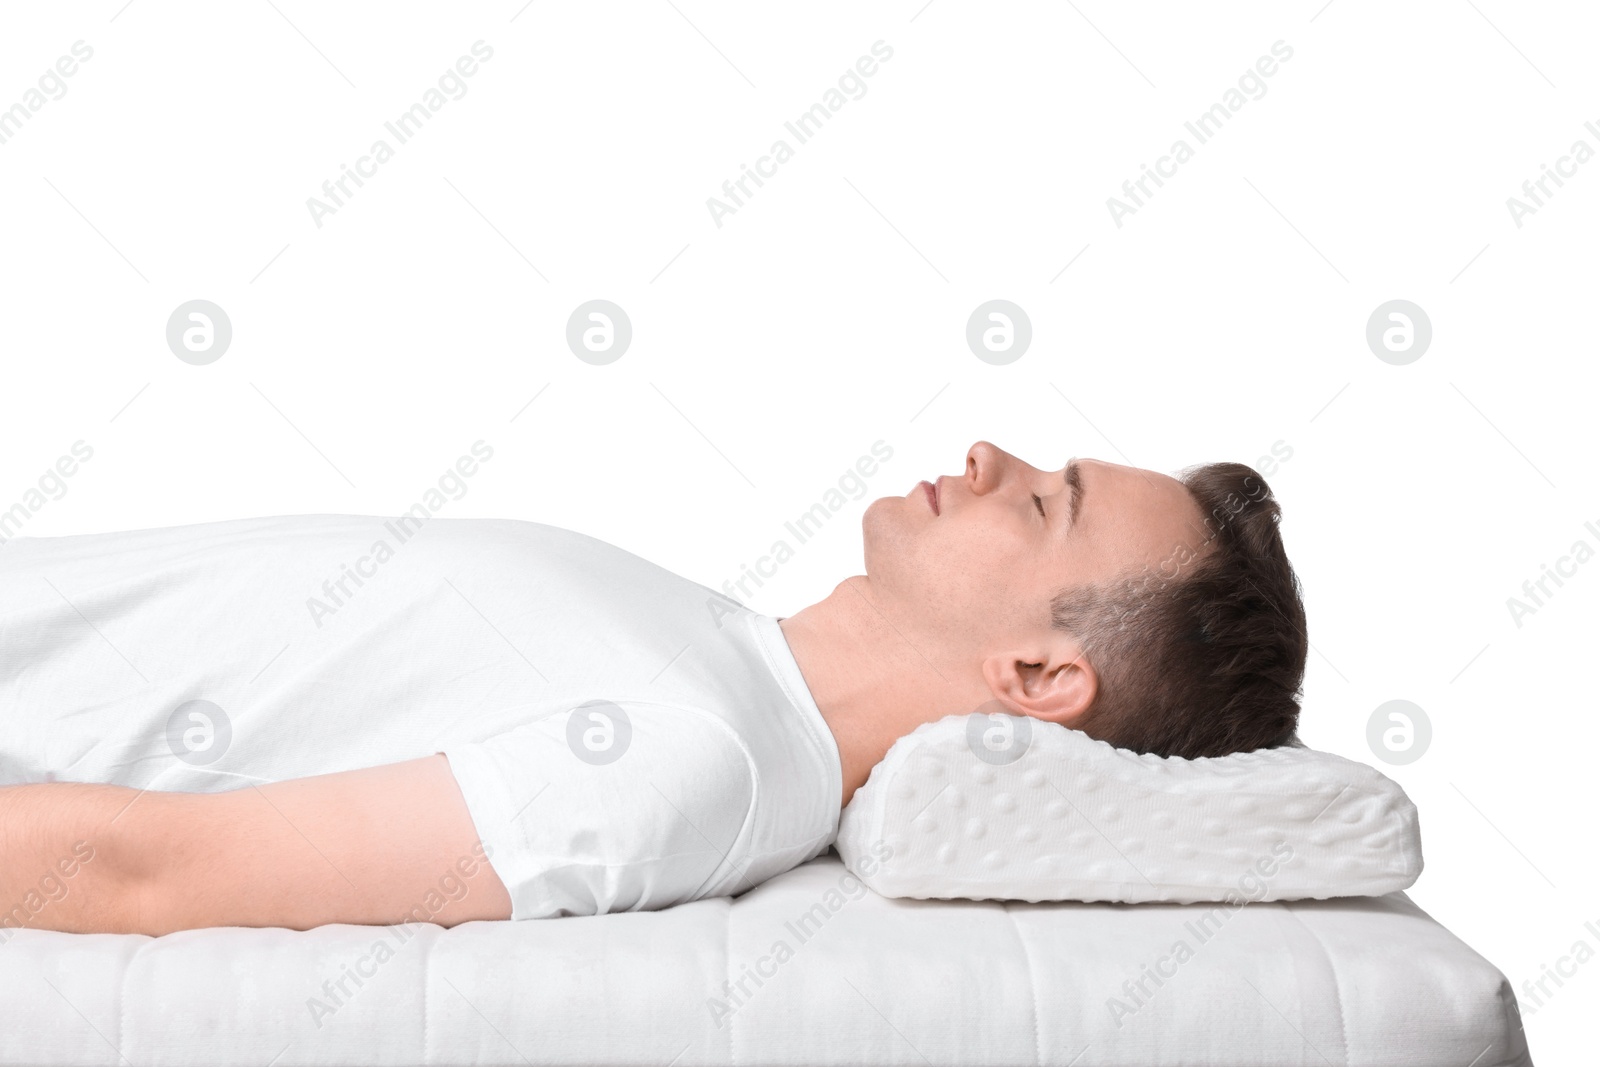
(1208, 662)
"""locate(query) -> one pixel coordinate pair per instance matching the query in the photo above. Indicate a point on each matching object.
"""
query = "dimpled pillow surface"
(1002, 807)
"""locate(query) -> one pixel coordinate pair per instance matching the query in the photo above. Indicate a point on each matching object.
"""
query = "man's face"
(980, 571)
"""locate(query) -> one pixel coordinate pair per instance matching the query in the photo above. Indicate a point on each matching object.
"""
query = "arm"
(378, 845)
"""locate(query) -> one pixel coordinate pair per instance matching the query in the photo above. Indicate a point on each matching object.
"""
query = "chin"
(892, 541)
(888, 541)
(875, 528)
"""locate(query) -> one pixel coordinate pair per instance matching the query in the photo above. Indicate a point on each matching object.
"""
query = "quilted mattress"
(809, 968)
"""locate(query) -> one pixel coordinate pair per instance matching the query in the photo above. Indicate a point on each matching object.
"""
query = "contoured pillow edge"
(1072, 818)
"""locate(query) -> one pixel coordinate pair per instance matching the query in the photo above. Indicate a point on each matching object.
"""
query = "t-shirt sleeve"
(613, 806)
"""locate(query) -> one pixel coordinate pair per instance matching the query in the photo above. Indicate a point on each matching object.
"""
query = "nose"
(985, 467)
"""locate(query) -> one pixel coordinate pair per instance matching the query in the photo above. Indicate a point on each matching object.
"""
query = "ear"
(1052, 679)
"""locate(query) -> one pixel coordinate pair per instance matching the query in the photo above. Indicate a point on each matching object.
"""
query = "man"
(298, 721)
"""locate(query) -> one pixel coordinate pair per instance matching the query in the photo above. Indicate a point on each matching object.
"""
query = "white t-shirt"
(625, 738)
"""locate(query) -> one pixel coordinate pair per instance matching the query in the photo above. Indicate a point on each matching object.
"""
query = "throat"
(870, 681)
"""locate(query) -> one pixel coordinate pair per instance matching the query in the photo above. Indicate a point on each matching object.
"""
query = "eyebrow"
(1073, 476)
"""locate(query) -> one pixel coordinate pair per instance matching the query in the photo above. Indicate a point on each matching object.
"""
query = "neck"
(872, 678)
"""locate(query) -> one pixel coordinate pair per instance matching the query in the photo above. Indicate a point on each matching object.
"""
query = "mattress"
(809, 968)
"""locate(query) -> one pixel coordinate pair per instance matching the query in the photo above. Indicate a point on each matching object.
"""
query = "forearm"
(60, 865)
(378, 845)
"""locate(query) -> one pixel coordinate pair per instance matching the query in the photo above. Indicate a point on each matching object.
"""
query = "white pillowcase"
(1002, 807)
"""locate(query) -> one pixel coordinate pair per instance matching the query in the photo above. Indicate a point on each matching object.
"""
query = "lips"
(933, 496)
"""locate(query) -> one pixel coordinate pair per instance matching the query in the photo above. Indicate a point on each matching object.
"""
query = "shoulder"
(687, 755)
(640, 763)
(615, 804)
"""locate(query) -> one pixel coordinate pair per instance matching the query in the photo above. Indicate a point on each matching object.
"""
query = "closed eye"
(1040, 505)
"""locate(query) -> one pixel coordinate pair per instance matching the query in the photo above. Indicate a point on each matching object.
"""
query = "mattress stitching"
(727, 970)
(1033, 987)
(427, 1031)
(1338, 992)
(122, 1001)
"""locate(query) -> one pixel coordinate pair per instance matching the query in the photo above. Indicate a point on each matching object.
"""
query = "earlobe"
(1056, 682)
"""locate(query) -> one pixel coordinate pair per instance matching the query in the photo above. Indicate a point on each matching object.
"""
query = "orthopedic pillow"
(1001, 807)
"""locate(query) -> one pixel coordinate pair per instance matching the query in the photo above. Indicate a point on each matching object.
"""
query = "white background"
(829, 312)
